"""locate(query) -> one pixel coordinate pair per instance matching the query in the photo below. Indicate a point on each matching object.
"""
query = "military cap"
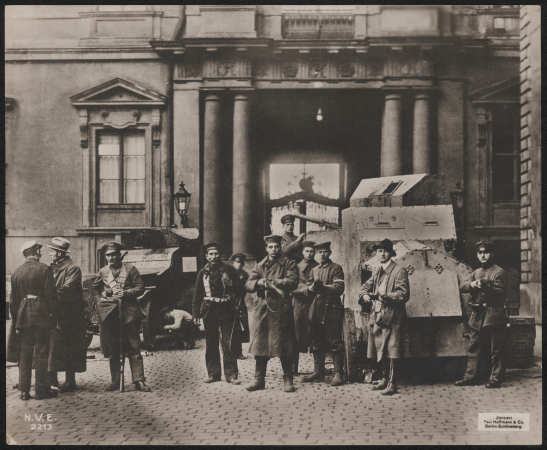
(319, 245)
(386, 244)
(60, 244)
(240, 256)
(212, 246)
(308, 244)
(273, 239)
(112, 247)
(30, 244)
(287, 218)
(486, 244)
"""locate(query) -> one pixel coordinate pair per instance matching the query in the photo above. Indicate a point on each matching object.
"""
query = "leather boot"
(70, 382)
(52, 379)
(382, 383)
(295, 360)
(260, 375)
(338, 359)
(392, 384)
(318, 368)
(287, 364)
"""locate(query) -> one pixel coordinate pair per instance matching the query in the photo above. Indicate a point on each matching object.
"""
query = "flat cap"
(322, 245)
(211, 246)
(60, 244)
(30, 244)
(308, 244)
(112, 247)
(287, 218)
(386, 244)
(241, 256)
(486, 244)
(273, 239)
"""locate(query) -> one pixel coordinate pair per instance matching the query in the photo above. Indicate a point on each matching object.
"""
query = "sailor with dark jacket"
(115, 282)
(387, 322)
(488, 322)
(32, 304)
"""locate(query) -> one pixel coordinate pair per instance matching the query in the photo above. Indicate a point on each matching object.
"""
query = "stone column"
(213, 221)
(242, 204)
(392, 149)
(421, 152)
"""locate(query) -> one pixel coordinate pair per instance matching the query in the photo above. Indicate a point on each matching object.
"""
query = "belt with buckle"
(216, 299)
(31, 297)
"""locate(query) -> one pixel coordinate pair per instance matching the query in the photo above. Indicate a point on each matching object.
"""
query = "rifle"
(122, 350)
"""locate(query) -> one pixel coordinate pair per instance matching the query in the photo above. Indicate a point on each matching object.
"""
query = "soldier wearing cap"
(291, 245)
(214, 302)
(240, 333)
(387, 321)
(32, 303)
(120, 282)
(68, 346)
(325, 285)
(301, 303)
(488, 322)
(273, 334)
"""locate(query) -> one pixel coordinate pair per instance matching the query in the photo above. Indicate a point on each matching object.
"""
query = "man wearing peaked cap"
(387, 290)
(301, 302)
(33, 296)
(325, 285)
(273, 326)
(116, 284)
(291, 245)
(488, 322)
(68, 345)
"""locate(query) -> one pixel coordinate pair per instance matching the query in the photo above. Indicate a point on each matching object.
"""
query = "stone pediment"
(508, 90)
(118, 92)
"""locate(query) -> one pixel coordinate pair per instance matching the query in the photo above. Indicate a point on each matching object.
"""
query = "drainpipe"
(179, 29)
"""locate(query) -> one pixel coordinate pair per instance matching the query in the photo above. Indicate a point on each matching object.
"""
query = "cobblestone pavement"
(183, 410)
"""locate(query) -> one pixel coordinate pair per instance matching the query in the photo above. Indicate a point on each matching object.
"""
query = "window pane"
(109, 191)
(134, 144)
(134, 168)
(134, 191)
(109, 144)
(109, 167)
(505, 124)
(503, 178)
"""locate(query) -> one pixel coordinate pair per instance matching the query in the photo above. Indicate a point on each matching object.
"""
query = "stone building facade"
(109, 108)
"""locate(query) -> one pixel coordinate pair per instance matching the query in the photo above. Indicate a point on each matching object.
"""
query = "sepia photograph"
(273, 224)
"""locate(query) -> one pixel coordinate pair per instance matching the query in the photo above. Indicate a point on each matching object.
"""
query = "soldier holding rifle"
(388, 290)
(488, 322)
(119, 284)
(291, 245)
(326, 285)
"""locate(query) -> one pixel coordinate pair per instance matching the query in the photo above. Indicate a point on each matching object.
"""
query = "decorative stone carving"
(83, 120)
(121, 120)
(261, 69)
(289, 69)
(189, 69)
(156, 122)
(482, 125)
(316, 69)
(226, 68)
(347, 70)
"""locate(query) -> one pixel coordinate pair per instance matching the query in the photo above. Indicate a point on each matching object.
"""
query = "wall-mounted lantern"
(182, 203)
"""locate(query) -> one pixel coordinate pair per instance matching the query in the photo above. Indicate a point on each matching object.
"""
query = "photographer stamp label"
(42, 422)
(504, 422)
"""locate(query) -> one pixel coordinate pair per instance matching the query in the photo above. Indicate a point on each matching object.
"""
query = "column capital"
(422, 96)
(393, 96)
(212, 96)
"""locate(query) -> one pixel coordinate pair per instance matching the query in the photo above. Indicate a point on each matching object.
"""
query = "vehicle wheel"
(148, 334)
(88, 339)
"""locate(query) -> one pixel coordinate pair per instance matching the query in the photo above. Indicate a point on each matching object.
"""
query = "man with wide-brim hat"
(273, 336)
(387, 290)
(120, 283)
(33, 297)
(301, 302)
(325, 285)
(291, 245)
(214, 302)
(68, 345)
(488, 322)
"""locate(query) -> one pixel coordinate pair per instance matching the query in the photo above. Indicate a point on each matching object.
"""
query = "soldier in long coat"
(388, 320)
(325, 285)
(488, 322)
(33, 296)
(301, 302)
(291, 245)
(120, 281)
(273, 331)
(68, 346)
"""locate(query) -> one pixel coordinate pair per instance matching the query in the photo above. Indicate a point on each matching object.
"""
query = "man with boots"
(240, 335)
(33, 297)
(326, 285)
(214, 302)
(115, 282)
(488, 322)
(291, 245)
(68, 344)
(273, 331)
(388, 290)
(301, 302)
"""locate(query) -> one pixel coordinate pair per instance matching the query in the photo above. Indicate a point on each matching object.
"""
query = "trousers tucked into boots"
(287, 364)
(338, 359)
(392, 380)
(260, 374)
(318, 367)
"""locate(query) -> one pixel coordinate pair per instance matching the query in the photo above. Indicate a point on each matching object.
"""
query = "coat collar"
(65, 262)
(303, 265)
(280, 260)
(389, 268)
(219, 267)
